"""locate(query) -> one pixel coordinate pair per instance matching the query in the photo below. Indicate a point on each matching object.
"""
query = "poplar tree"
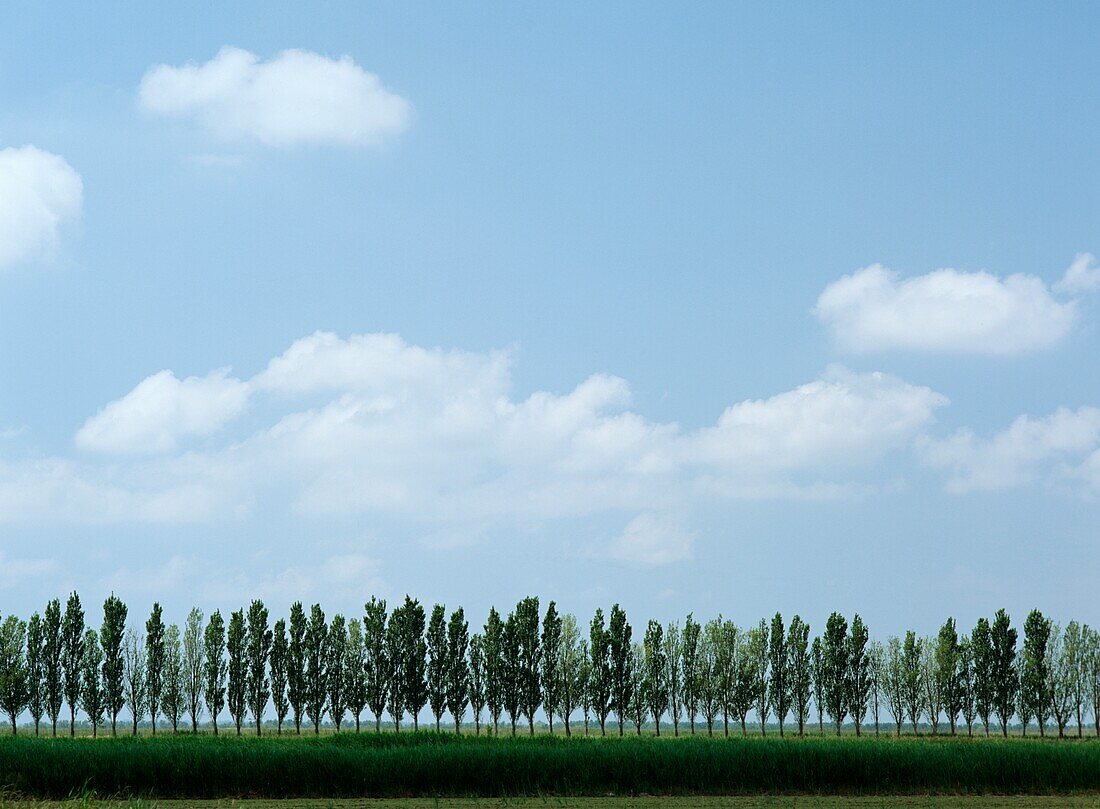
(111, 635)
(859, 672)
(757, 649)
(673, 648)
(911, 677)
(619, 645)
(174, 698)
(727, 658)
(51, 661)
(584, 679)
(529, 660)
(477, 680)
(135, 672)
(570, 663)
(895, 681)
(14, 690)
(1006, 685)
(215, 669)
(1090, 658)
(72, 654)
(637, 688)
(551, 663)
(1075, 649)
(36, 670)
(876, 658)
(599, 682)
(154, 662)
(1062, 668)
(1035, 691)
(316, 671)
(745, 689)
(798, 670)
(778, 657)
(194, 660)
(377, 666)
(511, 682)
(279, 655)
(933, 699)
(257, 651)
(835, 657)
(710, 691)
(817, 679)
(981, 647)
(394, 659)
(413, 660)
(689, 667)
(296, 664)
(967, 683)
(493, 648)
(436, 639)
(236, 638)
(458, 669)
(950, 684)
(655, 676)
(355, 671)
(334, 677)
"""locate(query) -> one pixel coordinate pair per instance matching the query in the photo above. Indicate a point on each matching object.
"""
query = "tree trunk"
(72, 721)
(566, 721)
(726, 724)
(13, 730)
(357, 723)
(657, 723)
(258, 725)
(214, 720)
(550, 721)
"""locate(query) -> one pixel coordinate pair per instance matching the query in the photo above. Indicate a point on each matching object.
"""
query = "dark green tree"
(1035, 676)
(619, 645)
(414, 685)
(14, 689)
(510, 688)
(279, 652)
(458, 669)
(599, 675)
(110, 637)
(550, 673)
(72, 654)
(377, 660)
(194, 660)
(798, 670)
(981, 647)
(493, 648)
(174, 694)
(36, 670)
(214, 667)
(778, 658)
(237, 670)
(52, 649)
(296, 664)
(529, 660)
(316, 671)
(835, 651)
(912, 677)
(1006, 684)
(949, 684)
(860, 680)
(154, 661)
(257, 653)
(477, 679)
(394, 658)
(817, 679)
(689, 666)
(337, 656)
(436, 638)
(654, 679)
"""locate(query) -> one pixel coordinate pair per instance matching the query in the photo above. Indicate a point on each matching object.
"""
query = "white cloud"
(650, 540)
(161, 411)
(874, 309)
(39, 192)
(1083, 275)
(1030, 449)
(296, 97)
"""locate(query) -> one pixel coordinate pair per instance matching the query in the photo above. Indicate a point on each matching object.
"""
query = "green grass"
(427, 764)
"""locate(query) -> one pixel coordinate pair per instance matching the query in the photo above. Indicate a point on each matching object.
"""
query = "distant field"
(426, 764)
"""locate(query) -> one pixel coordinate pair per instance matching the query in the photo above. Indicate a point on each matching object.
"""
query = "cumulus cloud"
(296, 97)
(1030, 449)
(875, 309)
(39, 192)
(161, 411)
(650, 540)
(1083, 275)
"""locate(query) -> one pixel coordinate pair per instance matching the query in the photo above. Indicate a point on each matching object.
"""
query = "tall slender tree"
(758, 654)
(674, 678)
(949, 684)
(981, 646)
(912, 676)
(798, 670)
(584, 684)
(493, 648)
(174, 697)
(779, 687)
(817, 680)
(550, 673)
(111, 634)
(215, 669)
(72, 654)
(511, 681)
(51, 662)
(296, 664)
(835, 651)
(876, 657)
(154, 662)
(1035, 691)
(570, 664)
(337, 656)
(529, 660)
(1006, 684)
(1062, 665)
(895, 681)
(964, 675)
(436, 639)
(257, 654)
(711, 648)
(135, 672)
(932, 697)
(859, 672)
(194, 665)
(1090, 661)
(477, 679)
(14, 690)
(36, 670)
(619, 633)
(236, 639)
(599, 681)
(394, 659)
(355, 671)
(655, 673)
(278, 665)
(316, 671)
(689, 665)
(377, 666)
(414, 683)
(458, 666)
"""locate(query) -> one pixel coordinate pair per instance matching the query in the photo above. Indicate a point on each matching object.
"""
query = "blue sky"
(653, 199)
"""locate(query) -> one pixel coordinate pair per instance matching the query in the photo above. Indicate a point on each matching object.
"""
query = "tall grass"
(427, 764)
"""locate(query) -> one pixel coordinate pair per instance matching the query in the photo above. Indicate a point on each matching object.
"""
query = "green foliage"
(528, 658)
(458, 666)
(36, 662)
(257, 652)
(619, 648)
(550, 673)
(654, 680)
(798, 670)
(315, 648)
(174, 696)
(111, 634)
(779, 688)
(215, 669)
(72, 654)
(237, 668)
(1006, 686)
(436, 640)
(355, 671)
(981, 648)
(377, 665)
(154, 661)
(599, 675)
(476, 680)
(493, 649)
(689, 665)
(1036, 692)
(859, 672)
(14, 690)
(193, 664)
(835, 659)
(947, 671)
(296, 664)
(336, 652)
(51, 657)
(279, 660)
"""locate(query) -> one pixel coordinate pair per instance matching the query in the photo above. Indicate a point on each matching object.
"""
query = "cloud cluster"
(296, 97)
(39, 192)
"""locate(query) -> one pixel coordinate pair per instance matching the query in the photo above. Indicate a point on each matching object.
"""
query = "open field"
(429, 765)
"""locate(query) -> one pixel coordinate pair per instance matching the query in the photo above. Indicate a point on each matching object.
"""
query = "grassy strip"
(426, 764)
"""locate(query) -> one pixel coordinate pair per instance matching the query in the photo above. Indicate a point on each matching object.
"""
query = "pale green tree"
(355, 671)
(674, 680)
(92, 696)
(214, 668)
(14, 690)
(194, 664)
(689, 667)
(458, 666)
(798, 670)
(174, 697)
(477, 682)
(860, 675)
(655, 673)
(947, 674)
(135, 673)
(570, 664)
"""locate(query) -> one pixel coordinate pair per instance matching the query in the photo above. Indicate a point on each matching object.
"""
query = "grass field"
(431, 765)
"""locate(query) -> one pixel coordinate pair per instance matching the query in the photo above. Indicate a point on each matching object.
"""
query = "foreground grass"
(750, 802)
(431, 765)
